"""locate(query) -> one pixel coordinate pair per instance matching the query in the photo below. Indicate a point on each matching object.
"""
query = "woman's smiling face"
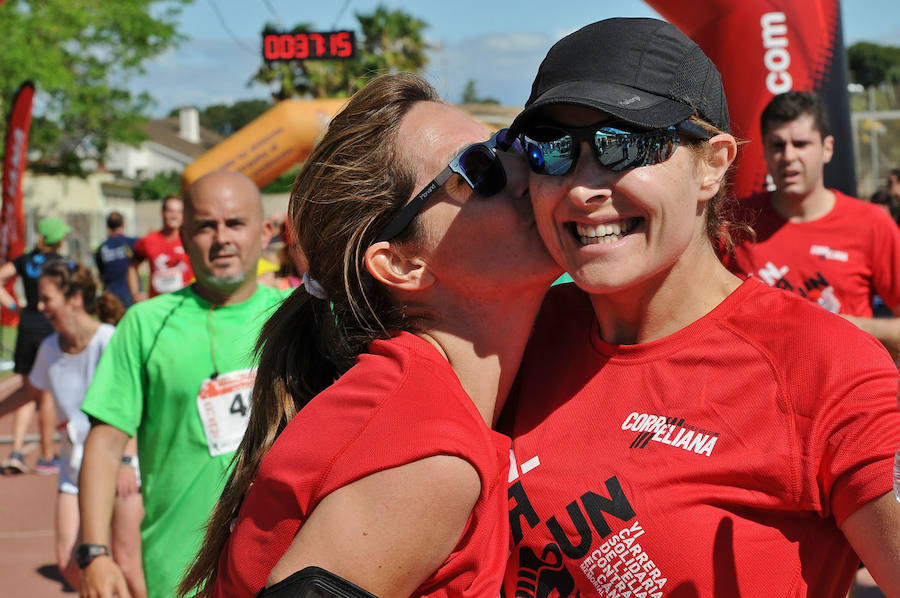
(613, 230)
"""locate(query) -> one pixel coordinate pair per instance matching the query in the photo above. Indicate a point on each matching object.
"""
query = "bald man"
(178, 373)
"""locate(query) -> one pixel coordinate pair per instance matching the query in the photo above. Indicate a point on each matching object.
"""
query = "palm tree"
(391, 40)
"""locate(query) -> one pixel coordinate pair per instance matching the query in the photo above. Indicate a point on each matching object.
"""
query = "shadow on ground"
(52, 572)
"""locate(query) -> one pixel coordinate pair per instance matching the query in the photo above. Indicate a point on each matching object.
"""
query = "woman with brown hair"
(64, 366)
(369, 450)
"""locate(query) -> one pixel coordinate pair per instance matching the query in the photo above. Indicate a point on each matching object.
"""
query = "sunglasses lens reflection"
(553, 150)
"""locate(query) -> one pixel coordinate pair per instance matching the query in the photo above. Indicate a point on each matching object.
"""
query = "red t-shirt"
(840, 261)
(170, 268)
(399, 403)
(717, 461)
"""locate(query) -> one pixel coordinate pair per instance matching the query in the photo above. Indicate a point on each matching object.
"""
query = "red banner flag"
(12, 216)
(766, 47)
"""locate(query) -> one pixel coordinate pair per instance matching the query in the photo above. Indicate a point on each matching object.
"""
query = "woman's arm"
(22, 395)
(7, 273)
(874, 532)
(389, 531)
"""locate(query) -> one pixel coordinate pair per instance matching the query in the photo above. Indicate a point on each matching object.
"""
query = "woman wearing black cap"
(679, 431)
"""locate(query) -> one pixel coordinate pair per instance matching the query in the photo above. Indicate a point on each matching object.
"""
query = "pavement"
(27, 503)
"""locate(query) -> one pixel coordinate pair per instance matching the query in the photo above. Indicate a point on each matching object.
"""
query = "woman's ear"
(720, 154)
(391, 267)
(76, 300)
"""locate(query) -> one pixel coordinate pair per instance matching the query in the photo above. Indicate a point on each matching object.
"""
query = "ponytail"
(109, 308)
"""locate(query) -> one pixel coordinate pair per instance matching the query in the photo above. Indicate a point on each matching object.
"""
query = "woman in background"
(64, 366)
(32, 329)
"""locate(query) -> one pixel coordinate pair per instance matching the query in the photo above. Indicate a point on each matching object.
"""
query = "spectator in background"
(283, 263)
(33, 328)
(64, 366)
(170, 268)
(883, 199)
(113, 258)
(830, 248)
(893, 184)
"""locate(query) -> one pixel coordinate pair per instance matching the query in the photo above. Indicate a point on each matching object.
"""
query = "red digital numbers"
(309, 45)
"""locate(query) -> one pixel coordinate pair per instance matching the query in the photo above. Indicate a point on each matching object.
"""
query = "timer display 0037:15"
(309, 45)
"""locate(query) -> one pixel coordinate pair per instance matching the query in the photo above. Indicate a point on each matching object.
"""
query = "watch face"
(85, 553)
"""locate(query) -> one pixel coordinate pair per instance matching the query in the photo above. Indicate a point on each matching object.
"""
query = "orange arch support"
(267, 146)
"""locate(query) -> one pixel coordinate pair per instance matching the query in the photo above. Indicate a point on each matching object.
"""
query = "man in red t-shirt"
(828, 247)
(170, 269)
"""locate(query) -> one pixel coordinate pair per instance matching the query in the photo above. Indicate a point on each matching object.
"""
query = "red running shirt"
(839, 261)
(170, 268)
(717, 461)
(399, 403)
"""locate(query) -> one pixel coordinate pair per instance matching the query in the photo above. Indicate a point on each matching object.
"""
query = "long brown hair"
(349, 188)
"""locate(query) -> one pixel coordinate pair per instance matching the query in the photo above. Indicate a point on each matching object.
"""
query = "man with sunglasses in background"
(830, 248)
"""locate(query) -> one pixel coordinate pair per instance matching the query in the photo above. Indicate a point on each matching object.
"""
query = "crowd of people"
(387, 395)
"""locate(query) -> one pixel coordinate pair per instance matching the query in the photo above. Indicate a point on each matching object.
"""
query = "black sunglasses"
(478, 165)
(553, 150)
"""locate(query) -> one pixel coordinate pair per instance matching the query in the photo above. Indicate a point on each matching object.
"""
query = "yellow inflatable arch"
(267, 146)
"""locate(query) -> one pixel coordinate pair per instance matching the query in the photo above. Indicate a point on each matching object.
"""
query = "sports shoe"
(47, 467)
(15, 463)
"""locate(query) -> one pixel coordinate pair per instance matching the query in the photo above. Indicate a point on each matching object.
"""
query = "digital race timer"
(309, 45)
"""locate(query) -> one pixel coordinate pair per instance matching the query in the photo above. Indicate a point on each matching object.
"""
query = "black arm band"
(314, 582)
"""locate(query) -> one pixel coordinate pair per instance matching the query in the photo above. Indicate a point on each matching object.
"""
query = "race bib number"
(167, 281)
(224, 406)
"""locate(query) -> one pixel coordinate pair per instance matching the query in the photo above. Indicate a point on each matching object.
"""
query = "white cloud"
(502, 65)
(201, 73)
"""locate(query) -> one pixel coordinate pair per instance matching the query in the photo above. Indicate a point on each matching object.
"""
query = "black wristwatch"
(85, 553)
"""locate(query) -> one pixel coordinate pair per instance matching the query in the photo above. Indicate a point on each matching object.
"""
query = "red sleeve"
(140, 250)
(438, 431)
(849, 440)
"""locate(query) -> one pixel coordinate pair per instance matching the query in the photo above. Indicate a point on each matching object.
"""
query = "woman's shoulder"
(807, 346)
(104, 332)
(396, 405)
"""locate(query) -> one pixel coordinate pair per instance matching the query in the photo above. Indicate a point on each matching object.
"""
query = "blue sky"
(496, 43)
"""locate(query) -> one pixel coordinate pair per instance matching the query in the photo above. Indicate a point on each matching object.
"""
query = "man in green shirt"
(178, 373)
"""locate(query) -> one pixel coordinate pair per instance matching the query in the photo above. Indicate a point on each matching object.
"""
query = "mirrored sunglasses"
(554, 150)
(478, 165)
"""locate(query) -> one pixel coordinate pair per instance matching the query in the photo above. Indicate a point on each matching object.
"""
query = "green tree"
(158, 186)
(284, 183)
(470, 95)
(80, 56)
(872, 64)
(387, 40)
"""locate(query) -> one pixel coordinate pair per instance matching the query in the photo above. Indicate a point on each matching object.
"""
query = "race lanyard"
(224, 402)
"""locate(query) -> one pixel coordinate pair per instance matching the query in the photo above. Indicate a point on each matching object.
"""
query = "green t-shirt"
(147, 383)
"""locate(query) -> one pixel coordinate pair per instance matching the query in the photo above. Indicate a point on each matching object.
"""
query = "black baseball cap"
(645, 72)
